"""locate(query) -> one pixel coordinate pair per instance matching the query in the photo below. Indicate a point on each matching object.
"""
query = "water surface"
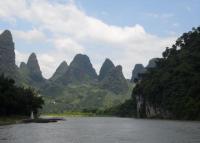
(103, 130)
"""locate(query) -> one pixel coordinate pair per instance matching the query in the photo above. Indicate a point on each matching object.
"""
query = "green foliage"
(115, 81)
(79, 97)
(126, 109)
(17, 100)
(174, 84)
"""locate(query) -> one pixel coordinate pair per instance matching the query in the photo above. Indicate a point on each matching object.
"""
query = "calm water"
(103, 130)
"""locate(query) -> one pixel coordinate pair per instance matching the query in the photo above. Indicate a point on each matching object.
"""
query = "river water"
(103, 130)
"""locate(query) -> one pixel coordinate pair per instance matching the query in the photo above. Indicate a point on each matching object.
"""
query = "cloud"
(31, 36)
(20, 57)
(72, 31)
(67, 45)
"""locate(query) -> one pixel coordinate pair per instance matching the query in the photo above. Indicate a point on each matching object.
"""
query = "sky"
(126, 31)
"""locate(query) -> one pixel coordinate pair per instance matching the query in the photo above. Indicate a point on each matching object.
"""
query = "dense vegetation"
(79, 97)
(126, 109)
(17, 100)
(174, 84)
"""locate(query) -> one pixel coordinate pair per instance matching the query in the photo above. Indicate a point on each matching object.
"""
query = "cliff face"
(147, 110)
(7, 55)
(138, 69)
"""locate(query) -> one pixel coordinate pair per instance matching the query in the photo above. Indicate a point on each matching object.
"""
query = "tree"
(174, 84)
(17, 100)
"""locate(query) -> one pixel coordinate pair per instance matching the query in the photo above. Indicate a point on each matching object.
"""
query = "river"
(103, 130)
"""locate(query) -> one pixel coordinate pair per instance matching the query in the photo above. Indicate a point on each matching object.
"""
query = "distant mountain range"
(71, 85)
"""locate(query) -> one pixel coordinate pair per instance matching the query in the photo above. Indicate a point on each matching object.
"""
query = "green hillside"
(172, 88)
(81, 97)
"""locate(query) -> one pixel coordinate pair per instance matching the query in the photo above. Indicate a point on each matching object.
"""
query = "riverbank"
(11, 120)
(69, 114)
(22, 119)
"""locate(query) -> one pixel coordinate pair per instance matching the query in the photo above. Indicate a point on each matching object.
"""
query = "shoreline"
(21, 119)
(53, 117)
(11, 120)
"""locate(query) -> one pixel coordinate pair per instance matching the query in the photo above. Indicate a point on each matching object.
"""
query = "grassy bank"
(70, 114)
(11, 120)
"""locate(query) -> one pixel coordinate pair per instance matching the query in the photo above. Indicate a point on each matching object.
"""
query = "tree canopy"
(174, 84)
(17, 100)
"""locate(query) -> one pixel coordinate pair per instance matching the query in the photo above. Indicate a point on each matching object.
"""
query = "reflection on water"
(103, 130)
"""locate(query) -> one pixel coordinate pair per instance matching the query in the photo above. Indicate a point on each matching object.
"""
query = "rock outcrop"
(138, 69)
(152, 63)
(106, 67)
(7, 55)
(147, 110)
(115, 81)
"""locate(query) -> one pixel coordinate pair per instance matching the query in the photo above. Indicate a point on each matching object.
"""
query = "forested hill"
(172, 88)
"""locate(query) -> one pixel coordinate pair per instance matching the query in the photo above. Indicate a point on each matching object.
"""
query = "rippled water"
(103, 130)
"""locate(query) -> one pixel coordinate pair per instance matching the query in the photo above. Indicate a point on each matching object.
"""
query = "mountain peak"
(119, 68)
(80, 69)
(60, 71)
(138, 69)
(81, 58)
(33, 66)
(83, 63)
(152, 63)
(106, 67)
(7, 55)
(32, 61)
(64, 63)
(22, 65)
(108, 61)
(6, 36)
(115, 80)
(33, 56)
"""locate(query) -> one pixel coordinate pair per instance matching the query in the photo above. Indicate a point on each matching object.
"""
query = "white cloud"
(21, 57)
(67, 45)
(31, 36)
(73, 31)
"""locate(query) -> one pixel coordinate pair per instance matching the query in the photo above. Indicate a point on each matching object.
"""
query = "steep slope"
(171, 89)
(60, 71)
(106, 67)
(138, 69)
(7, 55)
(31, 74)
(80, 70)
(34, 68)
(115, 81)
